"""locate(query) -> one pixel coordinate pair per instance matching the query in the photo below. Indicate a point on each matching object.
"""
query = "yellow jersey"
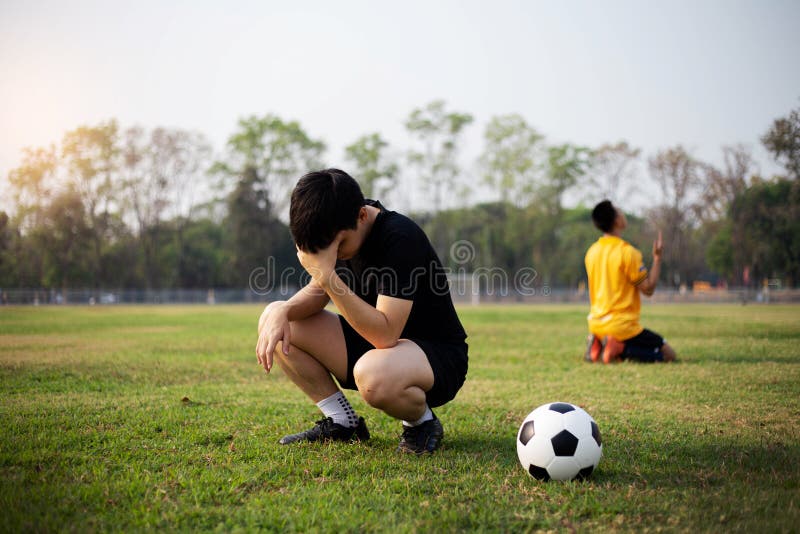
(615, 269)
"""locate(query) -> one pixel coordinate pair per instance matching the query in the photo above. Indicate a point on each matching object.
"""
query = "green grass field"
(140, 418)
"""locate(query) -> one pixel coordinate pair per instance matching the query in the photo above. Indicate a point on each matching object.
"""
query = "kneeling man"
(617, 274)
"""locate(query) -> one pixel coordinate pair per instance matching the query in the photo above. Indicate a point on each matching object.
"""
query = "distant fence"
(567, 295)
(138, 296)
(462, 291)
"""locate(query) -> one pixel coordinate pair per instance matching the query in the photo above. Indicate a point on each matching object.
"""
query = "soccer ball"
(559, 441)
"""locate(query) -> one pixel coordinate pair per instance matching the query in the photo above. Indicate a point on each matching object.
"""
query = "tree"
(33, 182)
(436, 133)
(512, 158)
(770, 214)
(566, 164)
(377, 175)
(614, 171)
(677, 175)
(202, 250)
(66, 240)
(719, 253)
(265, 156)
(783, 140)
(273, 154)
(182, 160)
(9, 239)
(721, 186)
(164, 174)
(254, 233)
(89, 156)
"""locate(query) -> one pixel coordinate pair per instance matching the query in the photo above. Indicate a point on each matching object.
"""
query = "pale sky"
(700, 73)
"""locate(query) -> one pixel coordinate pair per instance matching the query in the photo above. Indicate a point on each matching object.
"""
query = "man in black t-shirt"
(398, 340)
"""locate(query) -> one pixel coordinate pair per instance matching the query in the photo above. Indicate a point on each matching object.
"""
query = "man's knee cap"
(367, 376)
(374, 396)
(370, 382)
(368, 366)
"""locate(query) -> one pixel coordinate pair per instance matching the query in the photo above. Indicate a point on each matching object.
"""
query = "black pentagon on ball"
(526, 433)
(596, 434)
(561, 407)
(584, 473)
(539, 473)
(564, 443)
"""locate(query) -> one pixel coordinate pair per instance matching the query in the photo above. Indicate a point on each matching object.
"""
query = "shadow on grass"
(498, 449)
(742, 359)
(764, 467)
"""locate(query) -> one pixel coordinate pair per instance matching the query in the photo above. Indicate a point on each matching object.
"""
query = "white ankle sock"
(427, 416)
(338, 408)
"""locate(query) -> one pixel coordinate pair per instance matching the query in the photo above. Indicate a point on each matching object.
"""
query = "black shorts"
(448, 361)
(644, 347)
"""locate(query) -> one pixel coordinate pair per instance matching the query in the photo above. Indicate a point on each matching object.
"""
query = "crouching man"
(397, 340)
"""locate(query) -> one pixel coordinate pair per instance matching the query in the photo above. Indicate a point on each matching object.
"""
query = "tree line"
(125, 207)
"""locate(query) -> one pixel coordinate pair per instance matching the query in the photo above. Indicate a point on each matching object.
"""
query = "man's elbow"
(386, 342)
(386, 338)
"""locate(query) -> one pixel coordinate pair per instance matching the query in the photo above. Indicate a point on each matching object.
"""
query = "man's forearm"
(649, 285)
(367, 320)
(306, 302)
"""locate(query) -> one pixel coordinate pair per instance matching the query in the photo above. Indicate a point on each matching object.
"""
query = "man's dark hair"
(323, 203)
(603, 216)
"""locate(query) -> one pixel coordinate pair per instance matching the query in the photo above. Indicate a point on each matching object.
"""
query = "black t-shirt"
(397, 260)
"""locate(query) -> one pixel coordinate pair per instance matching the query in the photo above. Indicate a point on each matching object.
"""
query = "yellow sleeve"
(635, 269)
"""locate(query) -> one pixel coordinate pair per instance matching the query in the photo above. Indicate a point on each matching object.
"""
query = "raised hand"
(658, 247)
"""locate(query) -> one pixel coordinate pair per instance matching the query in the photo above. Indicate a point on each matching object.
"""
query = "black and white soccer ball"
(559, 441)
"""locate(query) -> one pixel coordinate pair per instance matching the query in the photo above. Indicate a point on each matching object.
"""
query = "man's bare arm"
(305, 303)
(273, 325)
(648, 286)
(380, 325)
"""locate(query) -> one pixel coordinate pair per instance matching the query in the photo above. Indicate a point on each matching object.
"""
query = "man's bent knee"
(374, 382)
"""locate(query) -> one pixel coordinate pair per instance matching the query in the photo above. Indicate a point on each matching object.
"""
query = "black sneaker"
(326, 430)
(422, 438)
